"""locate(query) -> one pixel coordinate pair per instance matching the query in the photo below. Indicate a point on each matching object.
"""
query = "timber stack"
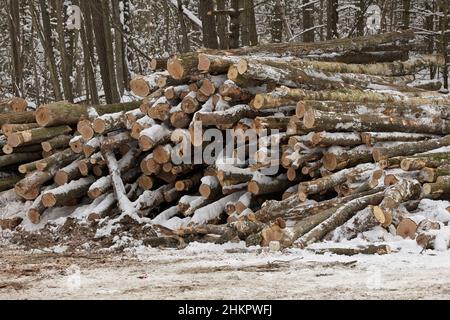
(361, 145)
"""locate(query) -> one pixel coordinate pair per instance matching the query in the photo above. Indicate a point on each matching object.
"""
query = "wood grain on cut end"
(140, 87)
(407, 229)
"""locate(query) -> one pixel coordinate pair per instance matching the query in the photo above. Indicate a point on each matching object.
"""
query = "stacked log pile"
(359, 146)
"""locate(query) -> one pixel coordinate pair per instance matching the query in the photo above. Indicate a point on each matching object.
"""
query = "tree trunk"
(332, 19)
(308, 21)
(206, 8)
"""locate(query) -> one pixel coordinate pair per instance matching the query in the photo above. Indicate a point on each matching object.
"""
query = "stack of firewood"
(359, 146)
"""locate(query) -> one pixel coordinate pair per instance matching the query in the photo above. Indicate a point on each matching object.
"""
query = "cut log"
(215, 64)
(68, 173)
(371, 138)
(7, 183)
(395, 195)
(327, 139)
(109, 122)
(18, 158)
(286, 95)
(330, 46)
(37, 135)
(267, 185)
(7, 149)
(431, 174)
(17, 118)
(409, 148)
(320, 121)
(64, 113)
(338, 218)
(9, 129)
(73, 190)
(59, 142)
(183, 66)
(329, 182)
(213, 210)
(59, 157)
(142, 86)
(154, 136)
(341, 159)
(440, 187)
(76, 144)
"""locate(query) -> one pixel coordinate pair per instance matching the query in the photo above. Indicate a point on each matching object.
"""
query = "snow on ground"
(231, 271)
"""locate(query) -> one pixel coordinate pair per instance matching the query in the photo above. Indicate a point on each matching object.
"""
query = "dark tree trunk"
(332, 19)
(14, 34)
(308, 21)
(206, 8)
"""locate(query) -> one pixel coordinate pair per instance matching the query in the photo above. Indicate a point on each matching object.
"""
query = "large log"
(409, 148)
(73, 190)
(397, 68)
(60, 113)
(330, 46)
(329, 182)
(320, 121)
(37, 135)
(17, 118)
(18, 158)
(341, 159)
(283, 95)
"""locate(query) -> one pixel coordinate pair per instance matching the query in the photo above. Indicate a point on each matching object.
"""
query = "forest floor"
(205, 271)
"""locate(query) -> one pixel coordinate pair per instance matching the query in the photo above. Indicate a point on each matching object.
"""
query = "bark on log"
(64, 113)
(68, 173)
(73, 190)
(37, 135)
(56, 143)
(320, 121)
(440, 187)
(369, 249)
(17, 118)
(18, 158)
(431, 174)
(338, 45)
(9, 182)
(9, 129)
(338, 218)
(338, 160)
(371, 138)
(59, 157)
(284, 94)
(409, 148)
(329, 182)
